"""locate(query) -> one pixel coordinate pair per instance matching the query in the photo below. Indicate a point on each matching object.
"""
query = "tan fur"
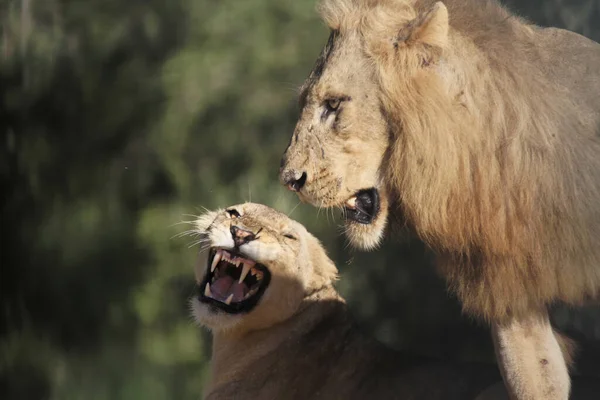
(299, 341)
(568, 348)
(531, 360)
(483, 133)
(290, 280)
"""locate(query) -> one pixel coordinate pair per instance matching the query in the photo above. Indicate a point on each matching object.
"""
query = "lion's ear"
(429, 28)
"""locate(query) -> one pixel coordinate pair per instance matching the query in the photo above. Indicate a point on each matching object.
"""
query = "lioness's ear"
(429, 28)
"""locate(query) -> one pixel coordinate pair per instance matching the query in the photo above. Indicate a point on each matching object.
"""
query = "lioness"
(481, 132)
(281, 330)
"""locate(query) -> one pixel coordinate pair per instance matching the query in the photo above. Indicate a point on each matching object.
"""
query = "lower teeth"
(250, 293)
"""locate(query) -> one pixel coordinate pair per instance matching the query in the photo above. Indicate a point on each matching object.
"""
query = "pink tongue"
(225, 286)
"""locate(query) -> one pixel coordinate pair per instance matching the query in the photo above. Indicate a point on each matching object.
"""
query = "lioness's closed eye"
(281, 330)
(258, 269)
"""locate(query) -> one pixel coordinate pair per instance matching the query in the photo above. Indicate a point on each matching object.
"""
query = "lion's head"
(257, 268)
(344, 138)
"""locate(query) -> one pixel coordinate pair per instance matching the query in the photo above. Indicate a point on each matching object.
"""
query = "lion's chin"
(366, 217)
(215, 320)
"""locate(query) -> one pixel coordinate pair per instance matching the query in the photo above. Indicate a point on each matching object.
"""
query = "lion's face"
(335, 154)
(343, 140)
(258, 267)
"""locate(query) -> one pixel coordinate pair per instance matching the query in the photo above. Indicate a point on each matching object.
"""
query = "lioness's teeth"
(207, 292)
(245, 270)
(351, 203)
(228, 301)
(215, 261)
(250, 293)
(225, 255)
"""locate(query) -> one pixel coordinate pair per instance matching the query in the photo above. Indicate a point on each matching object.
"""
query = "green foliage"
(122, 118)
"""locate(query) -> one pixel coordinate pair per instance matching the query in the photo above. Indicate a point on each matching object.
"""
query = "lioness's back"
(281, 330)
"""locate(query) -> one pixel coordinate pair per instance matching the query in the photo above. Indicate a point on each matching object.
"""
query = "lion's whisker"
(293, 209)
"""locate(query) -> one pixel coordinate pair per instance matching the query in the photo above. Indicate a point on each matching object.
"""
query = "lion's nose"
(294, 180)
(241, 236)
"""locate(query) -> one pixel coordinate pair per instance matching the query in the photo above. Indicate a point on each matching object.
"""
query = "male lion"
(482, 133)
(281, 330)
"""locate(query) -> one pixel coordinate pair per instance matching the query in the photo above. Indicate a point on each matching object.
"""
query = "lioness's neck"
(235, 353)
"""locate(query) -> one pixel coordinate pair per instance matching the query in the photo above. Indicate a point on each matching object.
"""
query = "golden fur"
(482, 129)
(481, 132)
(299, 341)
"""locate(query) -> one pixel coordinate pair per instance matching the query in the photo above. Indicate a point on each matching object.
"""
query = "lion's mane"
(506, 187)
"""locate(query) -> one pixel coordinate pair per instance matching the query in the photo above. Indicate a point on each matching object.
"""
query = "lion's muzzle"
(294, 180)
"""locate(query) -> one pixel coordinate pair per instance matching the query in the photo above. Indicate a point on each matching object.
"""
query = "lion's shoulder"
(572, 60)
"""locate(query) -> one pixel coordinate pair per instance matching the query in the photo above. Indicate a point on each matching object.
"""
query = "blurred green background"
(120, 119)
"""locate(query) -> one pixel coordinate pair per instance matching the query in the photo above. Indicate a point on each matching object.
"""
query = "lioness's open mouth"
(363, 207)
(233, 282)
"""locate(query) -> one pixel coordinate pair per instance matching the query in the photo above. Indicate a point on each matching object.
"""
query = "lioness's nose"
(241, 236)
(294, 180)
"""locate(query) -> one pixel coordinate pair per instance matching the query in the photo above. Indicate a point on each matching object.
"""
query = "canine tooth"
(245, 269)
(228, 301)
(207, 292)
(351, 202)
(215, 261)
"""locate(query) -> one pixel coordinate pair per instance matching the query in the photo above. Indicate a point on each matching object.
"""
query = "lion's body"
(299, 342)
(482, 133)
(319, 354)
(503, 180)
(516, 217)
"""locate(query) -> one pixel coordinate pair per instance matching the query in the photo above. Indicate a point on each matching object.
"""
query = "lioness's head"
(257, 268)
(344, 136)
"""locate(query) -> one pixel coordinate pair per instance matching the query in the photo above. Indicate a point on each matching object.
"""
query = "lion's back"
(572, 61)
(537, 224)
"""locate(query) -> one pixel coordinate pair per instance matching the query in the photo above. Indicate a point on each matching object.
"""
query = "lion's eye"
(333, 104)
(233, 213)
(290, 236)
